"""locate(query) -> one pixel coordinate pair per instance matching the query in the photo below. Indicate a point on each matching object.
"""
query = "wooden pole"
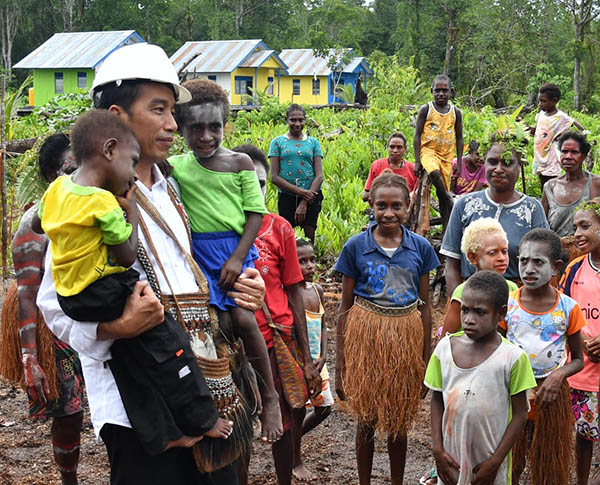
(3, 183)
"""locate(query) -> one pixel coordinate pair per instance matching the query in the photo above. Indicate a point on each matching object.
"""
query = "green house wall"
(43, 83)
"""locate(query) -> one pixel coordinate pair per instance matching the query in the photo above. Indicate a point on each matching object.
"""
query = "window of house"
(59, 83)
(316, 85)
(212, 78)
(82, 80)
(270, 86)
(296, 87)
(243, 85)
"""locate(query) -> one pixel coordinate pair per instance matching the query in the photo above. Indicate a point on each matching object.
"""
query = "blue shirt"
(385, 280)
(516, 218)
(296, 159)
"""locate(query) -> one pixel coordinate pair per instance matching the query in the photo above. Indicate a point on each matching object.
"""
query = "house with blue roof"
(311, 79)
(240, 67)
(67, 61)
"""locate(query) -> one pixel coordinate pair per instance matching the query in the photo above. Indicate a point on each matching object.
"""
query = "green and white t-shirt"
(477, 403)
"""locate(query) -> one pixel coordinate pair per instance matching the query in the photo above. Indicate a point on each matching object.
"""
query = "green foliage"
(395, 85)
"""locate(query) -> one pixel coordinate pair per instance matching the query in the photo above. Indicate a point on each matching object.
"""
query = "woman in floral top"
(517, 212)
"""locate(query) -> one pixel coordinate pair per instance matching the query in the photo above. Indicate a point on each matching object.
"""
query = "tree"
(583, 12)
(10, 14)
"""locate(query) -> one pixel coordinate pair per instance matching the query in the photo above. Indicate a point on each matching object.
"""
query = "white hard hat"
(140, 61)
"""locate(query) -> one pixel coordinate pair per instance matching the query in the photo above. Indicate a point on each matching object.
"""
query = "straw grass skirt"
(384, 365)
(11, 366)
(549, 449)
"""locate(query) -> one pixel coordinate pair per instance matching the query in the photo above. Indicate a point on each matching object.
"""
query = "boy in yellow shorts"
(438, 133)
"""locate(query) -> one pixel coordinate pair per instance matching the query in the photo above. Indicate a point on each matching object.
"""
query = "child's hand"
(444, 463)
(313, 379)
(230, 272)
(339, 376)
(549, 391)
(320, 363)
(128, 203)
(592, 347)
(485, 472)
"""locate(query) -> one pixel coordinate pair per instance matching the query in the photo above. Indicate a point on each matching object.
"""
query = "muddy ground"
(25, 453)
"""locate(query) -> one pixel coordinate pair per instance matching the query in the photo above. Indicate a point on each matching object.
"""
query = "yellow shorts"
(431, 162)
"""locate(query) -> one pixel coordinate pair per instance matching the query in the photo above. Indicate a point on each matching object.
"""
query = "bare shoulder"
(234, 161)
(458, 113)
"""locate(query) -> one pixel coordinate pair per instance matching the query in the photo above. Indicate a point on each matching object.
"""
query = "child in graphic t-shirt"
(550, 123)
(547, 325)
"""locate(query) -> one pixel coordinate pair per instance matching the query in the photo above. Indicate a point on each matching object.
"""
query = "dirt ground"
(25, 450)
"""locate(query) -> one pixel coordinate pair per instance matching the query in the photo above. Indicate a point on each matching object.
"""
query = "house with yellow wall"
(240, 67)
(310, 79)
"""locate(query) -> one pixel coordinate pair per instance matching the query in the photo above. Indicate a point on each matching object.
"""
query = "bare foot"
(303, 474)
(270, 418)
(221, 429)
(184, 442)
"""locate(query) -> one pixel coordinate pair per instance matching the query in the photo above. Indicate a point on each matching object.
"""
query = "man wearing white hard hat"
(139, 84)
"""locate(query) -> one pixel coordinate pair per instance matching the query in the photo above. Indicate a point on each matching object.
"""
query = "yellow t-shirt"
(80, 221)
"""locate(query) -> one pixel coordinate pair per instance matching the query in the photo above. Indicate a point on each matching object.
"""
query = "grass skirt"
(11, 366)
(384, 366)
(550, 449)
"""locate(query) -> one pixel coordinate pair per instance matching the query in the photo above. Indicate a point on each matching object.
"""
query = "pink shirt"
(582, 282)
(467, 181)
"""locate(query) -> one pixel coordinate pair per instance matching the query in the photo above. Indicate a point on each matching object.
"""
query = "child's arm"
(126, 253)
(550, 388)
(485, 472)
(458, 131)
(443, 461)
(452, 320)
(233, 266)
(323, 357)
(455, 174)
(346, 303)
(578, 125)
(296, 303)
(421, 117)
(425, 310)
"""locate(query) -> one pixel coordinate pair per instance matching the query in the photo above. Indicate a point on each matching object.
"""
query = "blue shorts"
(211, 251)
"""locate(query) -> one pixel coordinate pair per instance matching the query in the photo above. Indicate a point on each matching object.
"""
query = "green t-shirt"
(216, 201)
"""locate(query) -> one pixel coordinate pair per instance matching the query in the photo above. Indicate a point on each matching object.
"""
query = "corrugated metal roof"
(354, 63)
(77, 49)
(214, 55)
(303, 62)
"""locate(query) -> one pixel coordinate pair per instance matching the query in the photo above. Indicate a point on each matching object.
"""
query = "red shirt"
(407, 171)
(279, 267)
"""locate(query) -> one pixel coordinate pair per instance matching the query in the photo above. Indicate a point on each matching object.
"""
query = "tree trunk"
(577, 67)
(450, 39)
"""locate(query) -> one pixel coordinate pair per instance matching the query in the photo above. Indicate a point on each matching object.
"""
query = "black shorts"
(287, 204)
(103, 300)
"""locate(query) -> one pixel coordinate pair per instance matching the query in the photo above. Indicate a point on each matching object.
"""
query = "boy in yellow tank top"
(437, 135)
